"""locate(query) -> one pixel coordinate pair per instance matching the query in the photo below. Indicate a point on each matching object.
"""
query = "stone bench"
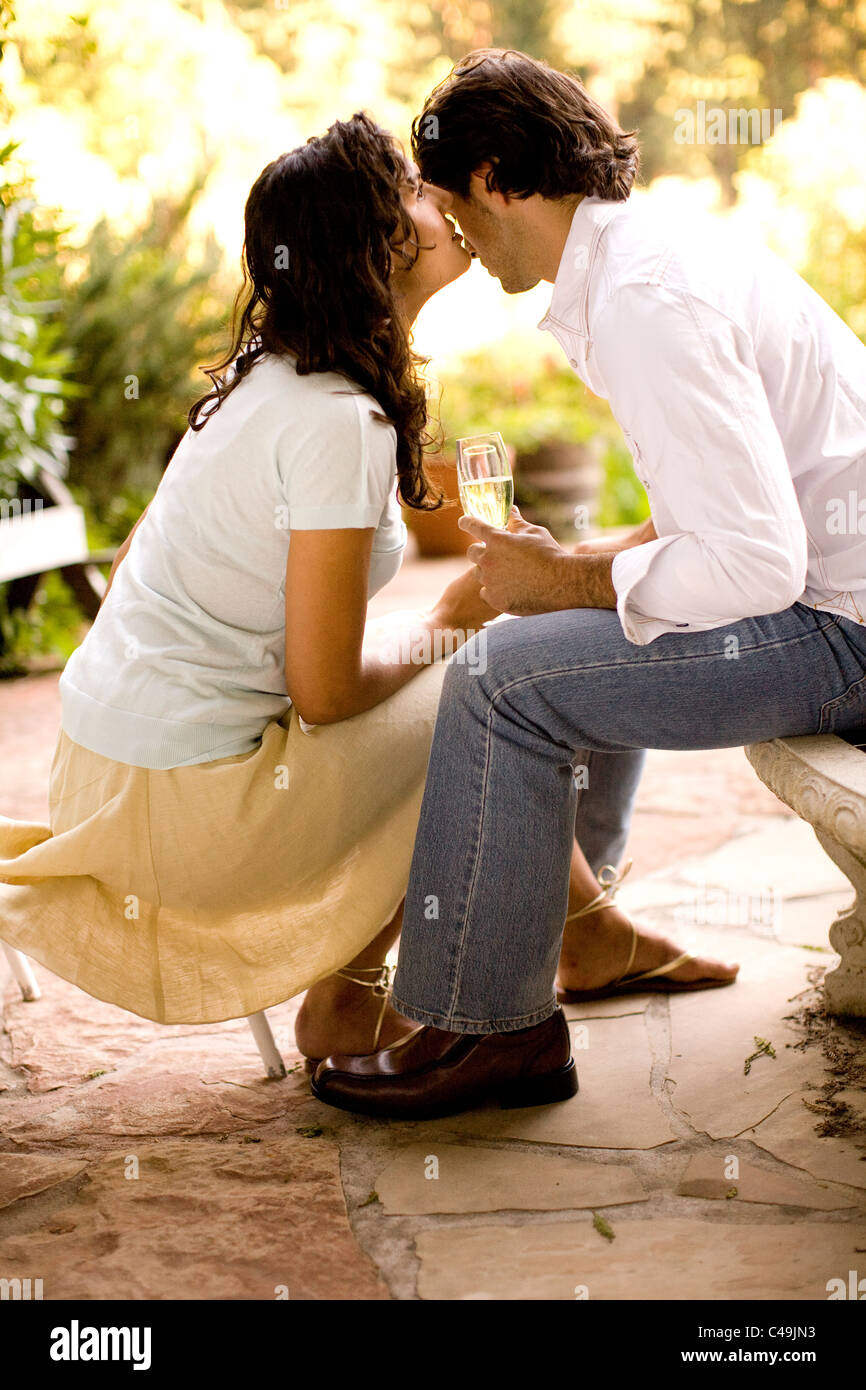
(43, 529)
(823, 779)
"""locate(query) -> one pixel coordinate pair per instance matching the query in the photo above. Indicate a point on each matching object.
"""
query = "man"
(738, 614)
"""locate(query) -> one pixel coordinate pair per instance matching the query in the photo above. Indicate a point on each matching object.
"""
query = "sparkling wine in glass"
(484, 478)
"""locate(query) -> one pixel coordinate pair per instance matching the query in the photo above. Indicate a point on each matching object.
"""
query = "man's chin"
(511, 284)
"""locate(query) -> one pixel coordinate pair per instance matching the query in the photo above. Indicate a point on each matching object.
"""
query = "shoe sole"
(520, 1094)
(658, 986)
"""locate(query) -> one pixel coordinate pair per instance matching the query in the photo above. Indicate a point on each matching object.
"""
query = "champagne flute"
(484, 478)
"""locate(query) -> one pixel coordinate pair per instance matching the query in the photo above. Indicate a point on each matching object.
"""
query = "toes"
(703, 968)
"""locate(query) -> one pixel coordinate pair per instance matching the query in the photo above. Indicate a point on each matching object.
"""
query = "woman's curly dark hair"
(322, 225)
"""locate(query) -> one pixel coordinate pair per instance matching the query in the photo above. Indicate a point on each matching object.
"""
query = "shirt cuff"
(628, 569)
(337, 518)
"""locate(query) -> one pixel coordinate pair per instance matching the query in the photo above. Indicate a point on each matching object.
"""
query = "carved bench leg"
(846, 985)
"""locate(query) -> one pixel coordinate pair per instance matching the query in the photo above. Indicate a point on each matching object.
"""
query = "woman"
(213, 849)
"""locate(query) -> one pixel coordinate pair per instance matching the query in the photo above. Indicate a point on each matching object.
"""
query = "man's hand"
(523, 570)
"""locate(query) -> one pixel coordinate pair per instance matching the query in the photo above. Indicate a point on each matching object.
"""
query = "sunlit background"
(139, 128)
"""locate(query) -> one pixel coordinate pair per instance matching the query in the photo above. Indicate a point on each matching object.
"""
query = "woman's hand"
(461, 605)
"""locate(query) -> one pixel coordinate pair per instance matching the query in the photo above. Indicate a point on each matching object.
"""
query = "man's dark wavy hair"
(539, 129)
(322, 225)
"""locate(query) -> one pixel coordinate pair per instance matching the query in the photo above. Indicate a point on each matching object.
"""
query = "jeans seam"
(659, 660)
(838, 703)
(461, 943)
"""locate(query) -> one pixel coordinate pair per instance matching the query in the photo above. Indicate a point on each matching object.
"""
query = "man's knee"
(466, 677)
(485, 664)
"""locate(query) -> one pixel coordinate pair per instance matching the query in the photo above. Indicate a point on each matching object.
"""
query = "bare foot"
(338, 1016)
(595, 953)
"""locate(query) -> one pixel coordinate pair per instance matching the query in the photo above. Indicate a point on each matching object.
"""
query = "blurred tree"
(805, 193)
(34, 364)
(139, 316)
(527, 25)
(35, 388)
(735, 54)
(117, 103)
(386, 55)
(337, 57)
(6, 18)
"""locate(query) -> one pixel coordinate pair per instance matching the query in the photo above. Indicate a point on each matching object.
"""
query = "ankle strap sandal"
(379, 981)
(611, 882)
(648, 980)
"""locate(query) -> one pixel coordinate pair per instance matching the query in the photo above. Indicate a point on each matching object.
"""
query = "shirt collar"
(569, 301)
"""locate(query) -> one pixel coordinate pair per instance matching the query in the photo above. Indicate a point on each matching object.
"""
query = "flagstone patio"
(716, 1148)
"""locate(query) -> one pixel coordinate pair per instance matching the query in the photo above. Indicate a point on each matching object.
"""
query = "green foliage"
(35, 390)
(622, 501)
(808, 182)
(836, 268)
(139, 318)
(603, 1227)
(765, 1049)
(34, 363)
(529, 404)
(401, 50)
(538, 403)
(44, 636)
(760, 54)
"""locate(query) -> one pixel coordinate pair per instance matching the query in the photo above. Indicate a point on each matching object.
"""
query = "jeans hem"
(450, 1023)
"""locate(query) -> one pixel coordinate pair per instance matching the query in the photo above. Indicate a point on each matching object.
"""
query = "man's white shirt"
(742, 397)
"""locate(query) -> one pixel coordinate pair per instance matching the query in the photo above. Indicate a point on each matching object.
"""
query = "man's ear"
(484, 186)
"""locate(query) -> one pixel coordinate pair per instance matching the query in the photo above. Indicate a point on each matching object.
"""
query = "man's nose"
(443, 198)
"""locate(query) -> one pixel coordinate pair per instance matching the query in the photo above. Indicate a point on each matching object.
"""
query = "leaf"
(602, 1226)
(765, 1049)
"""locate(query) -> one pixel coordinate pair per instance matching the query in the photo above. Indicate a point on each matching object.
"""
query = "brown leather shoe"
(431, 1072)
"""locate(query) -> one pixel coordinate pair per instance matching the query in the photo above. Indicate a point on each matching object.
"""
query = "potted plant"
(437, 532)
(544, 416)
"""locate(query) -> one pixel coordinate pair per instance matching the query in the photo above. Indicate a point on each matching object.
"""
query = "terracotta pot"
(555, 479)
(437, 533)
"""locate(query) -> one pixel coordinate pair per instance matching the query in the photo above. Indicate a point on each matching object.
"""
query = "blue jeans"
(486, 903)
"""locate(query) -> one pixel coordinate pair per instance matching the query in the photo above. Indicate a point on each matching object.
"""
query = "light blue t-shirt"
(186, 659)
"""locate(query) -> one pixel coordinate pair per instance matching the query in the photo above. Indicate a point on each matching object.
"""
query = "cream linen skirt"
(209, 892)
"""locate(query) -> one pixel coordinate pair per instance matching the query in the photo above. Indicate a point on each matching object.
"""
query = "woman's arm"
(643, 533)
(329, 674)
(121, 553)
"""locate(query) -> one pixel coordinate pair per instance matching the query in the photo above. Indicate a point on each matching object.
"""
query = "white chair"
(275, 1067)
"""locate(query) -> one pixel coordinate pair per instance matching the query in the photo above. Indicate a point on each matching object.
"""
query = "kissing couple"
(251, 797)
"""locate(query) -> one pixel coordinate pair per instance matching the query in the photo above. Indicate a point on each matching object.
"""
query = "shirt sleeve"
(338, 465)
(684, 385)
